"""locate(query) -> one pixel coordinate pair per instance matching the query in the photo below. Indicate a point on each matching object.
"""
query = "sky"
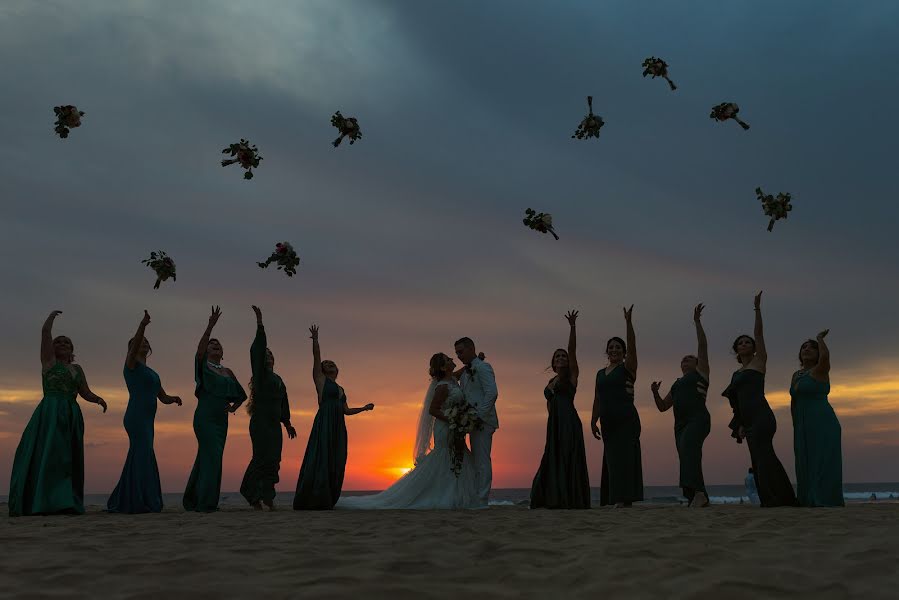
(412, 237)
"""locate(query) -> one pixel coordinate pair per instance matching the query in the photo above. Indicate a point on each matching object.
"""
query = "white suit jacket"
(480, 390)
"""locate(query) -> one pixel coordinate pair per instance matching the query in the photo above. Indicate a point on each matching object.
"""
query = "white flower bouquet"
(247, 156)
(163, 265)
(285, 257)
(775, 207)
(462, 419)
(657, 68)
(542, 222)
(67, 117)
(590, 125)
(347, 126)
(727, 110)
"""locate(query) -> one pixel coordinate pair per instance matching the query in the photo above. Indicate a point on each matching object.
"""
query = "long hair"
(737, 341)
(813, 344)
(250, 401)
(564, 374)
(435, 368)
(620, 341)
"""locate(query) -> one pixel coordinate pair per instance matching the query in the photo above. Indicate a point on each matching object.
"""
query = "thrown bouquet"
(591, 124)
(657, 68)
(347, 126)
(462, 419)
(67, 117)
(727, 110)
(775, 207)
(285, 257)
(163, 265)
(542, 222)
(246, 155)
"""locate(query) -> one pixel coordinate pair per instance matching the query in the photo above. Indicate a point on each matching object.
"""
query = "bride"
(432, 483)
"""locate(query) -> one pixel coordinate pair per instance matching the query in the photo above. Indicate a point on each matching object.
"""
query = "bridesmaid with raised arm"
(816, 429)
(269, 409)
(138, 489)
(613, 406)
(48, 469)
(324, 464)
(692, 422)
(753, 417)
(218, 392)
(562, 480)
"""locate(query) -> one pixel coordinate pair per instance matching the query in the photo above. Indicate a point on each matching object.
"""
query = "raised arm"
(317, 376)
(662, 404)
(441, 393)
(571, 316)
(48, 356)
(257, 351)
(821, 371)
(630, 360)
(761, 354)
(131, 357)
(85, 392)
(204, 341)
(702, 352)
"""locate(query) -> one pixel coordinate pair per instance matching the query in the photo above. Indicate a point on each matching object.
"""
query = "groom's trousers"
(481, 444)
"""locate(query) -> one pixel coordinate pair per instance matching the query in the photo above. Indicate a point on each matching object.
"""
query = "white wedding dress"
(432, 484)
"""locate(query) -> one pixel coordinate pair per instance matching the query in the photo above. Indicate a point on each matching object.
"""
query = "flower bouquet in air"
(67, 117)
(285, 257)
(462, 418)
(657, 68)
(163, 265)
(247, 156)
(348, 128)
(775, 207)
(591, 124)
(542, 222)
(727, 110)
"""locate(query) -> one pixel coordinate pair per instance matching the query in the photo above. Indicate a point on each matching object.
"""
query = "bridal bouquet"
(591, 124)
(285, 257)
(463, 419)
(657, 68)
(727, 110)
(542, 222)
(163, 265)
(246, 155)
(348, 127)
(67, 116)
(777, 208)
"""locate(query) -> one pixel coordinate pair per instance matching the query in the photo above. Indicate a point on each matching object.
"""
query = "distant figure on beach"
(478, 384)
(562, 480)
(816, 429)
(873, 497)
(268, 408)
(48, 469)
(619, 422)
(138, 489)
(218, 393)
(753, 418)
(324, 464)
(751, 491)
(432, 483)
(692, 422)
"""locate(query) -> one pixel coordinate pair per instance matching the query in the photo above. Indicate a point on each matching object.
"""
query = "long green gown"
(324, 464)
(48, 470)
(692, 424)
(816, 441)
(562, 480)
(270, 409)
(213, 393)
(622, 463)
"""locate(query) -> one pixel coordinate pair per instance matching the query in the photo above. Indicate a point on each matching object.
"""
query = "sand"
(731, 552)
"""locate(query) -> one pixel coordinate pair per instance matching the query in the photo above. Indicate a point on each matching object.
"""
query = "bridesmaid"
(753, 417)
(48, 469)
(562, 480)
(692, 422)
(268, 408)
(138, 489)
(321, 476)
(613, 405)
(816, 430)
(218, 392)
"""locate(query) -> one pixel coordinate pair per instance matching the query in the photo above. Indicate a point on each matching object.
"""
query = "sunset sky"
(412, 237)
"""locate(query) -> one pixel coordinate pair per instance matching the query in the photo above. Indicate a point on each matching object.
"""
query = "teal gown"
(213, 393)
(138, 489)
(324, 464)
(692, 424)
(48, 469)
(562, 480)
(270, 409)
(622, 462)
(816, 441)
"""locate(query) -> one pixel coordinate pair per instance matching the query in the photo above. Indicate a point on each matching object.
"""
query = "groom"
(479, 386)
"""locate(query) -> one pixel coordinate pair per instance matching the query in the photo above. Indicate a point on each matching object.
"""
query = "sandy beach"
(729, 552)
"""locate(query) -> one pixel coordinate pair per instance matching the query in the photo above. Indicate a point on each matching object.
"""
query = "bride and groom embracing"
(434, 483)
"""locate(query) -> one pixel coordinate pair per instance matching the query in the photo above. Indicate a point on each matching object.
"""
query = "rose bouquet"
(462, 419)
(67, 117)
(591, 124)
(657, 68)
(727, 110)
(347, 126)
(542, 222)
(775, 207)
(247, 156)
(285, 257)
(163, 265)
